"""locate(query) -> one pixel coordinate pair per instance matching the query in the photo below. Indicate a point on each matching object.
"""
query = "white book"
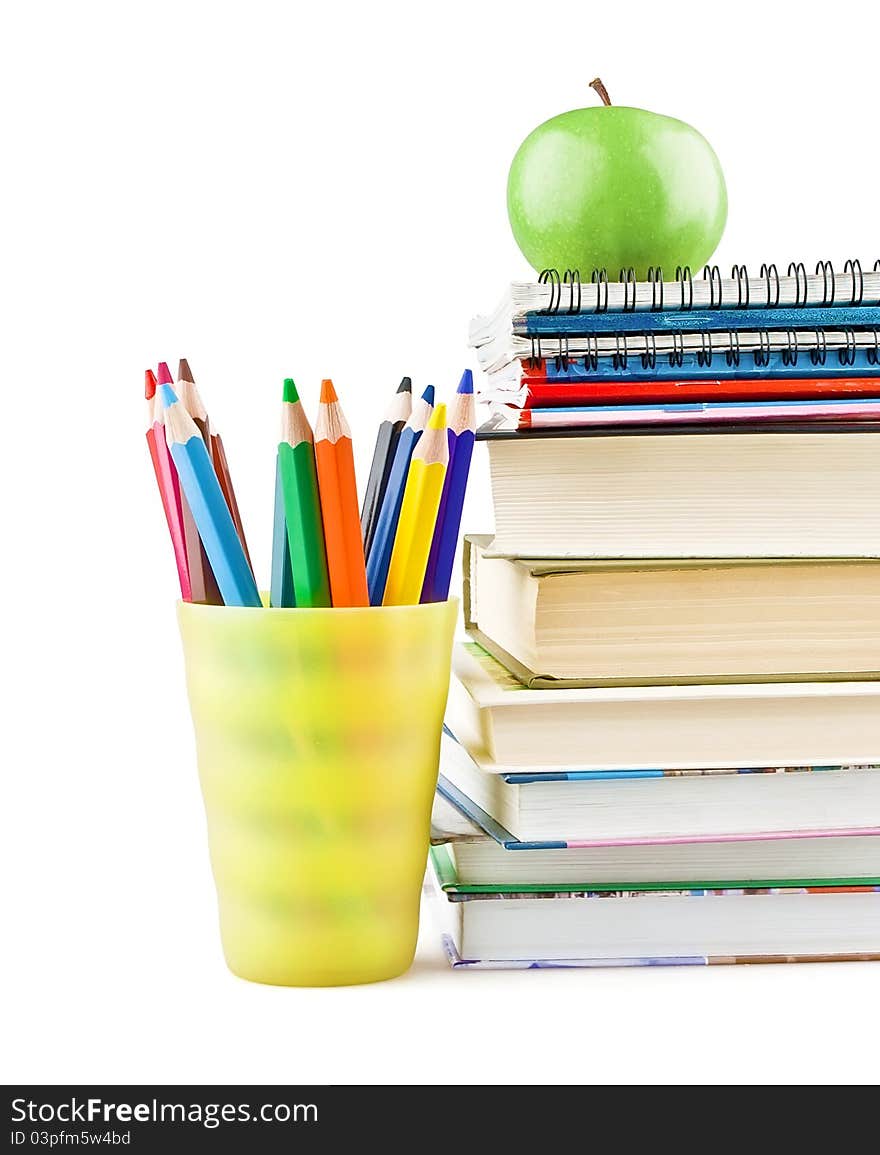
(583, 622)
(485, 862)
(486, 859)
(747, 494)
(504, 725)
(712, 925)
(640, 805)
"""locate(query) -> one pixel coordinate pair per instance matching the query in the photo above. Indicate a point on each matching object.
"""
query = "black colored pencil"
(396, 417)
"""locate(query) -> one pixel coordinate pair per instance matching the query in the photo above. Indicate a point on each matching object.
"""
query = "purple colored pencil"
(462, 427)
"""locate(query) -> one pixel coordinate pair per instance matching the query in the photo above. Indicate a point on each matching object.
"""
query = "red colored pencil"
(166, 480)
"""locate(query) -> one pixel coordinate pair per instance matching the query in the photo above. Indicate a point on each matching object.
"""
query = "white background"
(275, 189)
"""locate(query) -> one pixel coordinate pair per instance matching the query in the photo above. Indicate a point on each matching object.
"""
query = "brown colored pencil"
(191, 399)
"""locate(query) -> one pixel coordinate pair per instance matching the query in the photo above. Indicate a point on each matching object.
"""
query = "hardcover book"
(596, 927)
(667, 492)
(652, 622)
(697, 727)
(657, 805)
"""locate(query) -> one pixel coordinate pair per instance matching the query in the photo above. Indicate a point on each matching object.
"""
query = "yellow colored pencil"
(418, 514)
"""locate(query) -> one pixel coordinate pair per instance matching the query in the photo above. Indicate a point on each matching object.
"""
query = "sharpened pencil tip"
(405, 385)
(164, 377)
(428, 395)
(167, 395)
(437, 420)
(328, 393)
(184, 373)
(149, 384)
(290, 393)
(466, 384)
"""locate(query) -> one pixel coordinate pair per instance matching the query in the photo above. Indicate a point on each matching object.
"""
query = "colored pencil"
(302, 503)
(189, 395)
(462, 427)
(386, 523)
(203, 584)
(166, 480)
(281, 592)
(202, 491)
(418, 514)
(339, 509)
(396, 416)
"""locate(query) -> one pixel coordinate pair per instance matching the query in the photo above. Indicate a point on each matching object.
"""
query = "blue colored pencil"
(389, 513)
(462, 427)
(207, 504)
(281, 591)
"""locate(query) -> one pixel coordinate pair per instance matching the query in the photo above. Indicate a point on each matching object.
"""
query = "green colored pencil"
(302, 505)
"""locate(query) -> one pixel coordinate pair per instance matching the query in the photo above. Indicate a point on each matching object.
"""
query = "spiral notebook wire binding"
(790, 344)
(569, 292)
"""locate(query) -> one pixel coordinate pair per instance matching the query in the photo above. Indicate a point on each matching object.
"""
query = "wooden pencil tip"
(437, 420)
(164, 376)
(290, 392)
(405, 385)
(167, 395)
(184, 373)
(328, 393)
(428, 395)
(149, 384)
(466, 384)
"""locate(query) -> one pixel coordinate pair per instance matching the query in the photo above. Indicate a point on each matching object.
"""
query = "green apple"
(612, 187)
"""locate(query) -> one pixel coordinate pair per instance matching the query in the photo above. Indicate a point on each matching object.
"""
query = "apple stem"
(601, 89)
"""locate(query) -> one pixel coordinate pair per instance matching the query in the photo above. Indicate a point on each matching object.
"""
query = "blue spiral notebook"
(692, 320)
(824, 324)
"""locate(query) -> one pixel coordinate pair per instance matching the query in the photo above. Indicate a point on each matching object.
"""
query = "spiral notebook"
(556, 294)
(553, 343)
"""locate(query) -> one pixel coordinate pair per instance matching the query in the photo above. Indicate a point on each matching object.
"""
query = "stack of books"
(663, 735)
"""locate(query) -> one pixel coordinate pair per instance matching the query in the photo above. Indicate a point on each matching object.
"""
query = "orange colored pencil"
(339, 504)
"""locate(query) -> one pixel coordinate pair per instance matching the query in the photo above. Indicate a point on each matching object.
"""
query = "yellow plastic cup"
(318, 736)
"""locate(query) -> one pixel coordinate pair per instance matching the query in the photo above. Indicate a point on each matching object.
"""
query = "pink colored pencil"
(166, 479)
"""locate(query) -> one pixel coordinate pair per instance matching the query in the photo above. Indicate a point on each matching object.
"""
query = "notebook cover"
(543, 391)
(698, 413)
(506, 840)
(850, 316)
(457, 962)
(459, 891)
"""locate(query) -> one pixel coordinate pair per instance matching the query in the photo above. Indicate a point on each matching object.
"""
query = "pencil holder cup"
(318, 735)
